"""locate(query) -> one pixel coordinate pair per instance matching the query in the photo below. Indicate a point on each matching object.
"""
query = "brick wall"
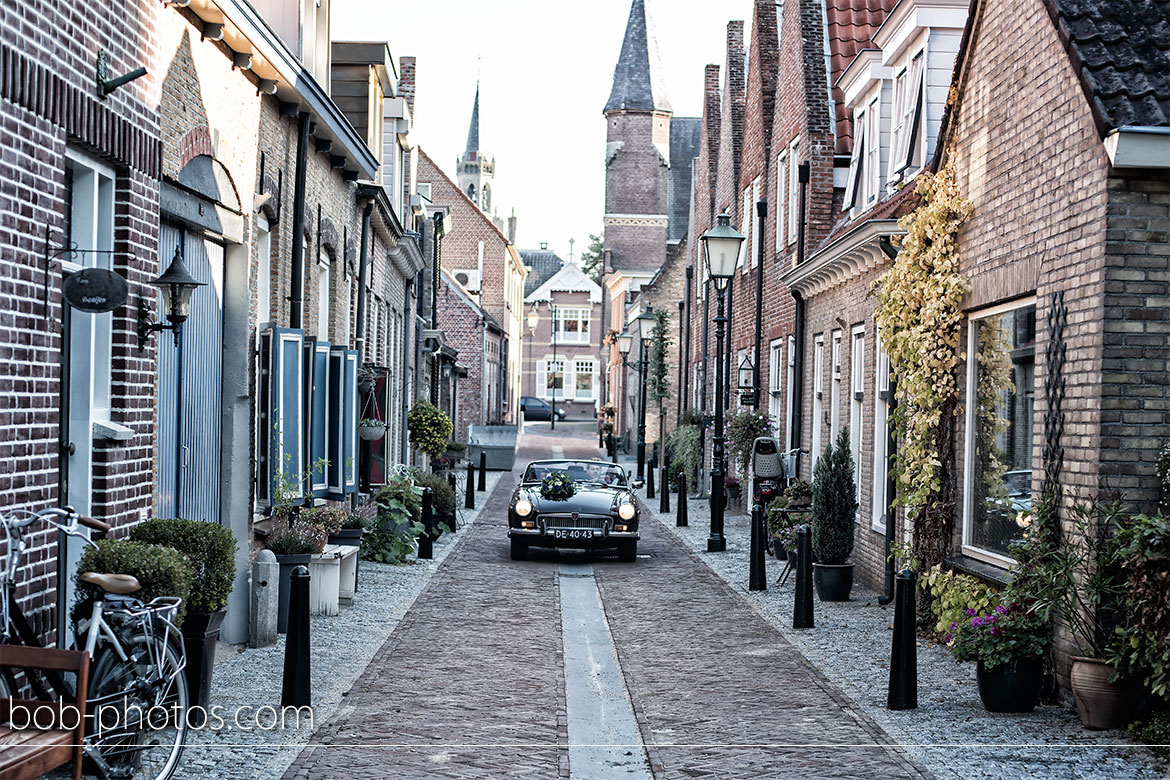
(668, 289)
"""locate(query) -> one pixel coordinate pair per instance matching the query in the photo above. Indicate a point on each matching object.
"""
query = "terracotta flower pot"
(1102, 704)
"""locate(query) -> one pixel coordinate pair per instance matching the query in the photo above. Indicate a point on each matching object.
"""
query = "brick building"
(649, 153)
(231, 155)
(564, 369)
(481, 260)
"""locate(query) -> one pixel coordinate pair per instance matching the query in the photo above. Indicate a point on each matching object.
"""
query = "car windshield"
(585, 471)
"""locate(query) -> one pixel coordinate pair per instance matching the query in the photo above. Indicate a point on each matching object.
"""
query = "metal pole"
(296, 689)
(757, 578)
(716, 542)
(552, 416)
(681, 518)
(802, 607)
(482, 470)
(454, 514)
(903, 693)
(426, 539)
(642, 410)
(469, 488)
(664, 494)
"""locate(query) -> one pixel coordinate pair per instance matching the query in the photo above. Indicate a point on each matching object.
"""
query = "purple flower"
(948, 638)
(976, 622)
(970, 613)
(954, 626)
(1001, 609)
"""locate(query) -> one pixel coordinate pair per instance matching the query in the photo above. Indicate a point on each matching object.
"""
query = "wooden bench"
(43, 735)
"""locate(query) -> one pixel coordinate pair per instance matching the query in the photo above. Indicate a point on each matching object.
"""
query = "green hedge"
(210, 549)
(161, 571)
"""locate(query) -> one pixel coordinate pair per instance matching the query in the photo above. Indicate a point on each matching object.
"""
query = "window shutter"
(541, 379)
(342, 437)
(856, 163)
(917, 81)
(281, 443)
(317, 413)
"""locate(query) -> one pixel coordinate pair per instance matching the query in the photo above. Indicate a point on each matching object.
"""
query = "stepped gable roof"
(685, 135)
(637, 82)
(1120, 50)
(851, 25)
(544, 264)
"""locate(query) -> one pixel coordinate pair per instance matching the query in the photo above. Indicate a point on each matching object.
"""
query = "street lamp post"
(645, 321)
(552, 416)
(721, 247)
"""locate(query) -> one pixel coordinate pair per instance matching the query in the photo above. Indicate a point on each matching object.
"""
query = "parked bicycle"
(137, 691)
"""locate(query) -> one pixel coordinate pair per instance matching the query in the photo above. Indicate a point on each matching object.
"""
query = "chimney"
(512, 228)
(406, 81)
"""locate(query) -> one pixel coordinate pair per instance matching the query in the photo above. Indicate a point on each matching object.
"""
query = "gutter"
(297, 279)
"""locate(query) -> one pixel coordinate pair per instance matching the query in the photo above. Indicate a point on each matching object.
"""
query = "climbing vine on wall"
(920, 321)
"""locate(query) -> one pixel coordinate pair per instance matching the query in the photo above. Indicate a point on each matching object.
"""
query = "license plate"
(572, 533)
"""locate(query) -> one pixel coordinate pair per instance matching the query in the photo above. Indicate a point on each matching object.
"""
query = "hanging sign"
(94, 290)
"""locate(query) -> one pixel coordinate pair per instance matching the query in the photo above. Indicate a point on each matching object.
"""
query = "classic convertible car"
(600, 513)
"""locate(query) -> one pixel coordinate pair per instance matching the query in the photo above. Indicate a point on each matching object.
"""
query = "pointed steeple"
(473, 131)
(637, 80)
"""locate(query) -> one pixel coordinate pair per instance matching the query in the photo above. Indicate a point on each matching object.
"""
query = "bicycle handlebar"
(93, 523)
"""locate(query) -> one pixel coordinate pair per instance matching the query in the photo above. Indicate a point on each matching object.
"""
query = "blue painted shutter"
(282, 370)
(343, 411)
(351, 420)
(317, 413)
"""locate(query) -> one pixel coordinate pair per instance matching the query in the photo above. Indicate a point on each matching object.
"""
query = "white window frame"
(881, 417)
(818, 405)
(323, 271)
(793, 189)
(906, 138)
(551, 366)
(781, 187)
(835, 390)
(854, 200)
(790, 374)
(776, 383)
(871, 175)
(584, 367)
(973, 318)
(580, 314)
(856, 407)
(263, 273)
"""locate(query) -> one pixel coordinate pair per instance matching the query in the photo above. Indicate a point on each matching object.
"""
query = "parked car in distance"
(538, 409)
(601, 514)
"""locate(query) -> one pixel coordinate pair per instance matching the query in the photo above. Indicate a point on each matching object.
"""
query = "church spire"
(473, 131)
(637, 83)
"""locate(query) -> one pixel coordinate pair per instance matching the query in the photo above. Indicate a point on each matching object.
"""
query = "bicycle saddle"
(118, 584)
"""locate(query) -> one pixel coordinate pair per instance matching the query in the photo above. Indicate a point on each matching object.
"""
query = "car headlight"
(523, 508)
(627, 511)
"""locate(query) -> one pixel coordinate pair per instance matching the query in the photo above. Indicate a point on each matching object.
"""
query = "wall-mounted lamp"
(176, 285)
(105, 84)
(211, 31)
(746, 375)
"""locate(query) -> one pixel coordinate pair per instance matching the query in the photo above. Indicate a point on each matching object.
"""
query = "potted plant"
(456, 450)
(160, 571)
(393, 536)
(351, 530)
(780, 525)
(371, 430)
(429, 427)
(732, 494)
(1075, 577)
(293, 546)
(1007, 645)
(442, 502)
(211, 549)
(799, 495)
(834, 506)
(743, 428)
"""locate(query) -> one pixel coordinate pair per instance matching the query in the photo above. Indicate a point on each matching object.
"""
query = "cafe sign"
(94, 290)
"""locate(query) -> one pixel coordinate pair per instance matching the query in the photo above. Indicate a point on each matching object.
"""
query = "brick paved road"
(478, 663)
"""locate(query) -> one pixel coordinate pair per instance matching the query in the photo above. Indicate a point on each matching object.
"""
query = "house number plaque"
(94, 290)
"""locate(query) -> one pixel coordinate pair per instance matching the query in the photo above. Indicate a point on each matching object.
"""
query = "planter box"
(347, 574)
(325, 582)
(497, 442)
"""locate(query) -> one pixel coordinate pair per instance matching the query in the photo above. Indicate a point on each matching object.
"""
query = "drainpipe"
(803, 175)
(404, 396)
(297, 280)
(701, 490)
(682, 364)
(762, 211)
(726, 367)
(686, 405)
(359, 340)
(891, 478)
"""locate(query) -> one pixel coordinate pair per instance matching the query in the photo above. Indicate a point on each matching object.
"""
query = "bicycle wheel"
(140, 721)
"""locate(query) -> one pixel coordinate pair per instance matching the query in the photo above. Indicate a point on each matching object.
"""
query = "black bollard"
(469, 491)
(904, 655)
(426, 540)
(802, 608)
(296, 690)
(611, 443)
(650, 482)
(681, 519)
(664, 494)
(482, 471)
(454, 514)
(757, 572)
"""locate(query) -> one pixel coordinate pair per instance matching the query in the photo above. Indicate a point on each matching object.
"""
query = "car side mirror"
(637, 484)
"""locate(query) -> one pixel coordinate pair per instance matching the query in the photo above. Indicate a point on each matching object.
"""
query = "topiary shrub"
(834, 504)
(429, 427)
(161, 571)
(210, 548)
(442, 496)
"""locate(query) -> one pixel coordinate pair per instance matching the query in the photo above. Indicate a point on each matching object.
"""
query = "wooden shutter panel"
(317, 413)
(342, 438)
(281, 418)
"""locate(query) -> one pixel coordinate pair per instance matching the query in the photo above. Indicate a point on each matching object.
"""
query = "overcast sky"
(545, 69)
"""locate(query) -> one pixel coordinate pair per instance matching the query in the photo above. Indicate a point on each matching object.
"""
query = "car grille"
(596, 522)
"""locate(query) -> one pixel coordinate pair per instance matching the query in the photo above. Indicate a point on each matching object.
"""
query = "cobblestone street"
(472, 684)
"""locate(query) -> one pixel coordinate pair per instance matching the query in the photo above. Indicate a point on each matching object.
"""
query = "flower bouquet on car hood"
(557, 486)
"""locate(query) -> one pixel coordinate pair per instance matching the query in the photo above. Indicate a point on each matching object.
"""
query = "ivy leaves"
(920, 321)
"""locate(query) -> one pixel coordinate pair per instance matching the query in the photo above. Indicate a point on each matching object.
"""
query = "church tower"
(637, 156)
(474, 170)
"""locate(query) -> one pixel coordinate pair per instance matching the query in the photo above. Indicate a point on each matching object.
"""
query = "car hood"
(593, 500)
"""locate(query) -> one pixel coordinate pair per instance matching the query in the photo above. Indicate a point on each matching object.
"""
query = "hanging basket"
(371, 432)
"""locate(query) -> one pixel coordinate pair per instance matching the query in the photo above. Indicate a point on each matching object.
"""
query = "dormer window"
(862, 189)
(907, 147)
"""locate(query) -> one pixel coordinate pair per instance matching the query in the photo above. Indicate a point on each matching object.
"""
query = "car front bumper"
(563, 537)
